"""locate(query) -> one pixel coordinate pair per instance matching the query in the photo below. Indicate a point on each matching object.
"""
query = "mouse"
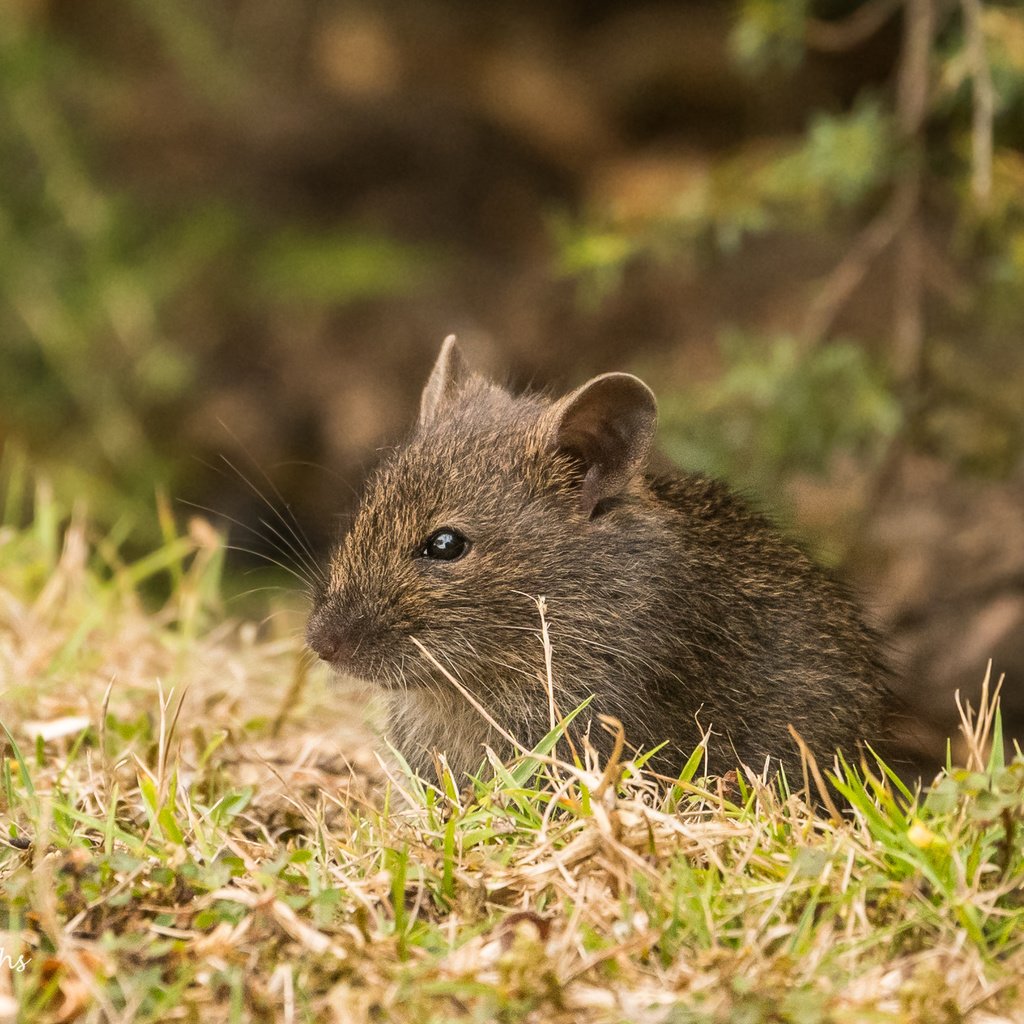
(669, 603)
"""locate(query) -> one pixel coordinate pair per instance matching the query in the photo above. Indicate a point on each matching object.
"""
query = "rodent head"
(493, 502)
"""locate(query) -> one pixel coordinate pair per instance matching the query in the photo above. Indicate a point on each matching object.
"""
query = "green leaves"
(769, 31)
(342, 266)
(780, 407)
(802, 184)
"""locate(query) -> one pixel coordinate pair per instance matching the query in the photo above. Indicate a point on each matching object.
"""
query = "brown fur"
(668, 599)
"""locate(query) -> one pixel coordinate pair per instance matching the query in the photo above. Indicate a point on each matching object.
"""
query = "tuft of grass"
(193, 825)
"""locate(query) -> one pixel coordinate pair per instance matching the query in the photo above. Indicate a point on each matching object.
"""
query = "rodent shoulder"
(704, 500)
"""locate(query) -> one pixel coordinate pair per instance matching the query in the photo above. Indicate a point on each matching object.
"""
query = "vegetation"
(194, 824)
(921, 177)
(103, 291)
(120, 297)
(184, 839)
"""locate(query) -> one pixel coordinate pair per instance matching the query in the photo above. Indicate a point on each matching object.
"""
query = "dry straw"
(215, 840)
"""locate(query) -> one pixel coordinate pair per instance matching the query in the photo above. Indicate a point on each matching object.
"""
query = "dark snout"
(327, 645)
(329, 633)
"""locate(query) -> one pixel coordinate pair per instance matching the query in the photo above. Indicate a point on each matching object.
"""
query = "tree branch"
(847, 275)
(851, 31)
(983, 113)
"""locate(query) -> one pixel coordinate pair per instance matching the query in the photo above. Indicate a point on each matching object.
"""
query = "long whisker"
(311, 574)
(313, 585)
(285, 551)
(306, 560)
(322, 469)
(299, 545)
(294, 528)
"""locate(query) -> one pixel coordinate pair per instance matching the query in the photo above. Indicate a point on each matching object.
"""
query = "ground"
(197, 825)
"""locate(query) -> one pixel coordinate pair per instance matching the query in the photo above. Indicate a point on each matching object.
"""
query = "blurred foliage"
(100, 364)
(769, 31)
(94, 374)
(777, 410)
(842, 161)
(338, 267)
(886, 175)
(81, 290)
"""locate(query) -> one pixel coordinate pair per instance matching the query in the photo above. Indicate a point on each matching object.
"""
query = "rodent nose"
(323, 644)
(326, 637)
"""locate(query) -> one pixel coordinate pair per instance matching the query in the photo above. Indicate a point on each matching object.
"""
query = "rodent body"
(667, 599)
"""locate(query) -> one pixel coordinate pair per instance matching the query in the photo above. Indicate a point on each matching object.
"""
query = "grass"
(195, 827)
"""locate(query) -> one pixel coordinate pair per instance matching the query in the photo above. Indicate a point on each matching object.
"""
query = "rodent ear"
(608, 424)
(449, 373)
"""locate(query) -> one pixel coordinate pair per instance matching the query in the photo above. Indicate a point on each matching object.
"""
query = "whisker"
(287, 552)
(259, 590)
(306, 560)
(313, 585)
(299, 545)
(323, 469)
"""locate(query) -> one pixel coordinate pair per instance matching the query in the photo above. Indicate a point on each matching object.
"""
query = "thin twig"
(848, 274)
(851, 31)
(912, 85)
(913, 91)
(896, 220)
(983, 112)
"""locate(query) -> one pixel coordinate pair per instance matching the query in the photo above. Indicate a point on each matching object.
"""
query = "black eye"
(445, 544)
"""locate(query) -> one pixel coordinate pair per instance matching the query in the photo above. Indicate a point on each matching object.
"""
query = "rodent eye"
(446, 545)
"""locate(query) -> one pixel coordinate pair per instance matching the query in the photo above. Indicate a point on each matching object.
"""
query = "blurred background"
(239, 229)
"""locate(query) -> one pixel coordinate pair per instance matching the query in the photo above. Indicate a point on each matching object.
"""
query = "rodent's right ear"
(450, 372)
(608, 424)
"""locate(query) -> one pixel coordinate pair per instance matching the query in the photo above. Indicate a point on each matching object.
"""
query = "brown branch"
(897, 221)
(983, 113)
(912, 95)
(851, 270)
(908, 329)
(913, 81)
(851, 31)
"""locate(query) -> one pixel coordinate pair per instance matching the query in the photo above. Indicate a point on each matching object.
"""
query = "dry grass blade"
(240, 853)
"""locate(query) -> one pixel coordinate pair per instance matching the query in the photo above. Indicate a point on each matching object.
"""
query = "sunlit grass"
(196, 828)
